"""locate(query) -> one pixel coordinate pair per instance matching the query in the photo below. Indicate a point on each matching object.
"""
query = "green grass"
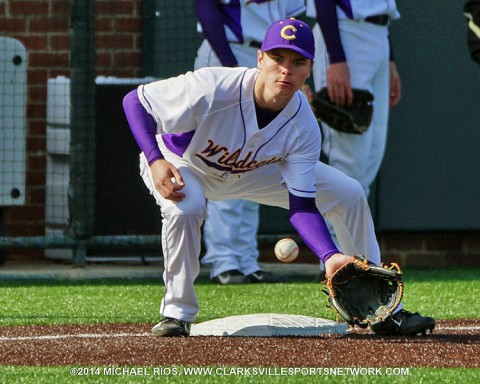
(441, 293)
(437, 292)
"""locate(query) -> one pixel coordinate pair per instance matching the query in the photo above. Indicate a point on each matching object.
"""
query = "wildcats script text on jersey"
(219, 157)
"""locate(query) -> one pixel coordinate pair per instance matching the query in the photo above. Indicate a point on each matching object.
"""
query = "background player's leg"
(247, 239)
(220, 232)
(230, 236)
(379, 125)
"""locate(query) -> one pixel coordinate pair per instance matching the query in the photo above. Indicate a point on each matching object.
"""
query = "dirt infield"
(455, 343)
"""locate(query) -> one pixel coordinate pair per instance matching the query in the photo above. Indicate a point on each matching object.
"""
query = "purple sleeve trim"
(210, 18)
(311, 227)
(328, 22)
(142, 126)
(178, 142)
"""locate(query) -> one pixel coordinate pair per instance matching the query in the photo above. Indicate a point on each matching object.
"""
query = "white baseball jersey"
(256, 16)
(359, 9)
(223, 145)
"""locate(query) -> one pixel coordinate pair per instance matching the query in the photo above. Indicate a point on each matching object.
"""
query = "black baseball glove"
(364, 293)
(472, 12)
(354, 118)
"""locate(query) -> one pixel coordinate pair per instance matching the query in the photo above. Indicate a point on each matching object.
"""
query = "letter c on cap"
(283, 33)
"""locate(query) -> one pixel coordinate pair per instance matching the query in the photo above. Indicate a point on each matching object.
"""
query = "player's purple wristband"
(311, 227)
(142, 126)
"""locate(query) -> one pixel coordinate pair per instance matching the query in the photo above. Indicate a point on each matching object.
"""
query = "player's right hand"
(167, 180)
(338, 84)
(395, 86)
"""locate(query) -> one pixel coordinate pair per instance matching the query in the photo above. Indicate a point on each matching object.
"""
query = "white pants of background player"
(339, 197)
(230, 231)
(367, 51)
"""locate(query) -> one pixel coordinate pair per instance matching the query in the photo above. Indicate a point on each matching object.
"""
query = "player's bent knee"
(187, 207)
(347, 187)
(353, 193)
(355, 188)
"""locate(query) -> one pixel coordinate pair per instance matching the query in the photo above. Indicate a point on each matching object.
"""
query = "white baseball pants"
(339, 197)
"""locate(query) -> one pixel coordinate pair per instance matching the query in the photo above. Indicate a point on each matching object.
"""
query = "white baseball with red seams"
(286, 250)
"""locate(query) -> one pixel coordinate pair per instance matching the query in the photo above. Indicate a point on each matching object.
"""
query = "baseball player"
(244, 133)
(353, 51)
(233, 31)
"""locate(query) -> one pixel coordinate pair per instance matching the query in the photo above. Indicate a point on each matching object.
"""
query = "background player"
(233, 33)
(353, 51)
(224, 133)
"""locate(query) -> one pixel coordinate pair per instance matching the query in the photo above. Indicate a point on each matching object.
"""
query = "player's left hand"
(335, 262)
(167, 180)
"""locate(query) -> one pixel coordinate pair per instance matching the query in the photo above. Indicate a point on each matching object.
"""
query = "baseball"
(286, 250)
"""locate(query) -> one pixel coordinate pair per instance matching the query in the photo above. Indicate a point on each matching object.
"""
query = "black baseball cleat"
(405, 323)
(230, 277)
(262, 277)
(169, 327)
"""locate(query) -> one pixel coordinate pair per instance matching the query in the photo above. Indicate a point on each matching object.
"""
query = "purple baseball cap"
(290, 34)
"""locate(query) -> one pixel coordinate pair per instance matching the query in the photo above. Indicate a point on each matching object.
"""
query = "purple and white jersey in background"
(358, 9)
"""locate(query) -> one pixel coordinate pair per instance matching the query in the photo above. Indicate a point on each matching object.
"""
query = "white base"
(267, 325)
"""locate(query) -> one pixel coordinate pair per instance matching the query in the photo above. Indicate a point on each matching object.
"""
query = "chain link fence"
(68, 163)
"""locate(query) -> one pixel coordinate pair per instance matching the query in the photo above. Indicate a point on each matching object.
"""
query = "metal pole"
(82, 123)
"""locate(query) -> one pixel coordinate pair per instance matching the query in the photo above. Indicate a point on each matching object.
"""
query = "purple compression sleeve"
(328, 22)
(211, 20)
(142, 126)
(311, 227)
